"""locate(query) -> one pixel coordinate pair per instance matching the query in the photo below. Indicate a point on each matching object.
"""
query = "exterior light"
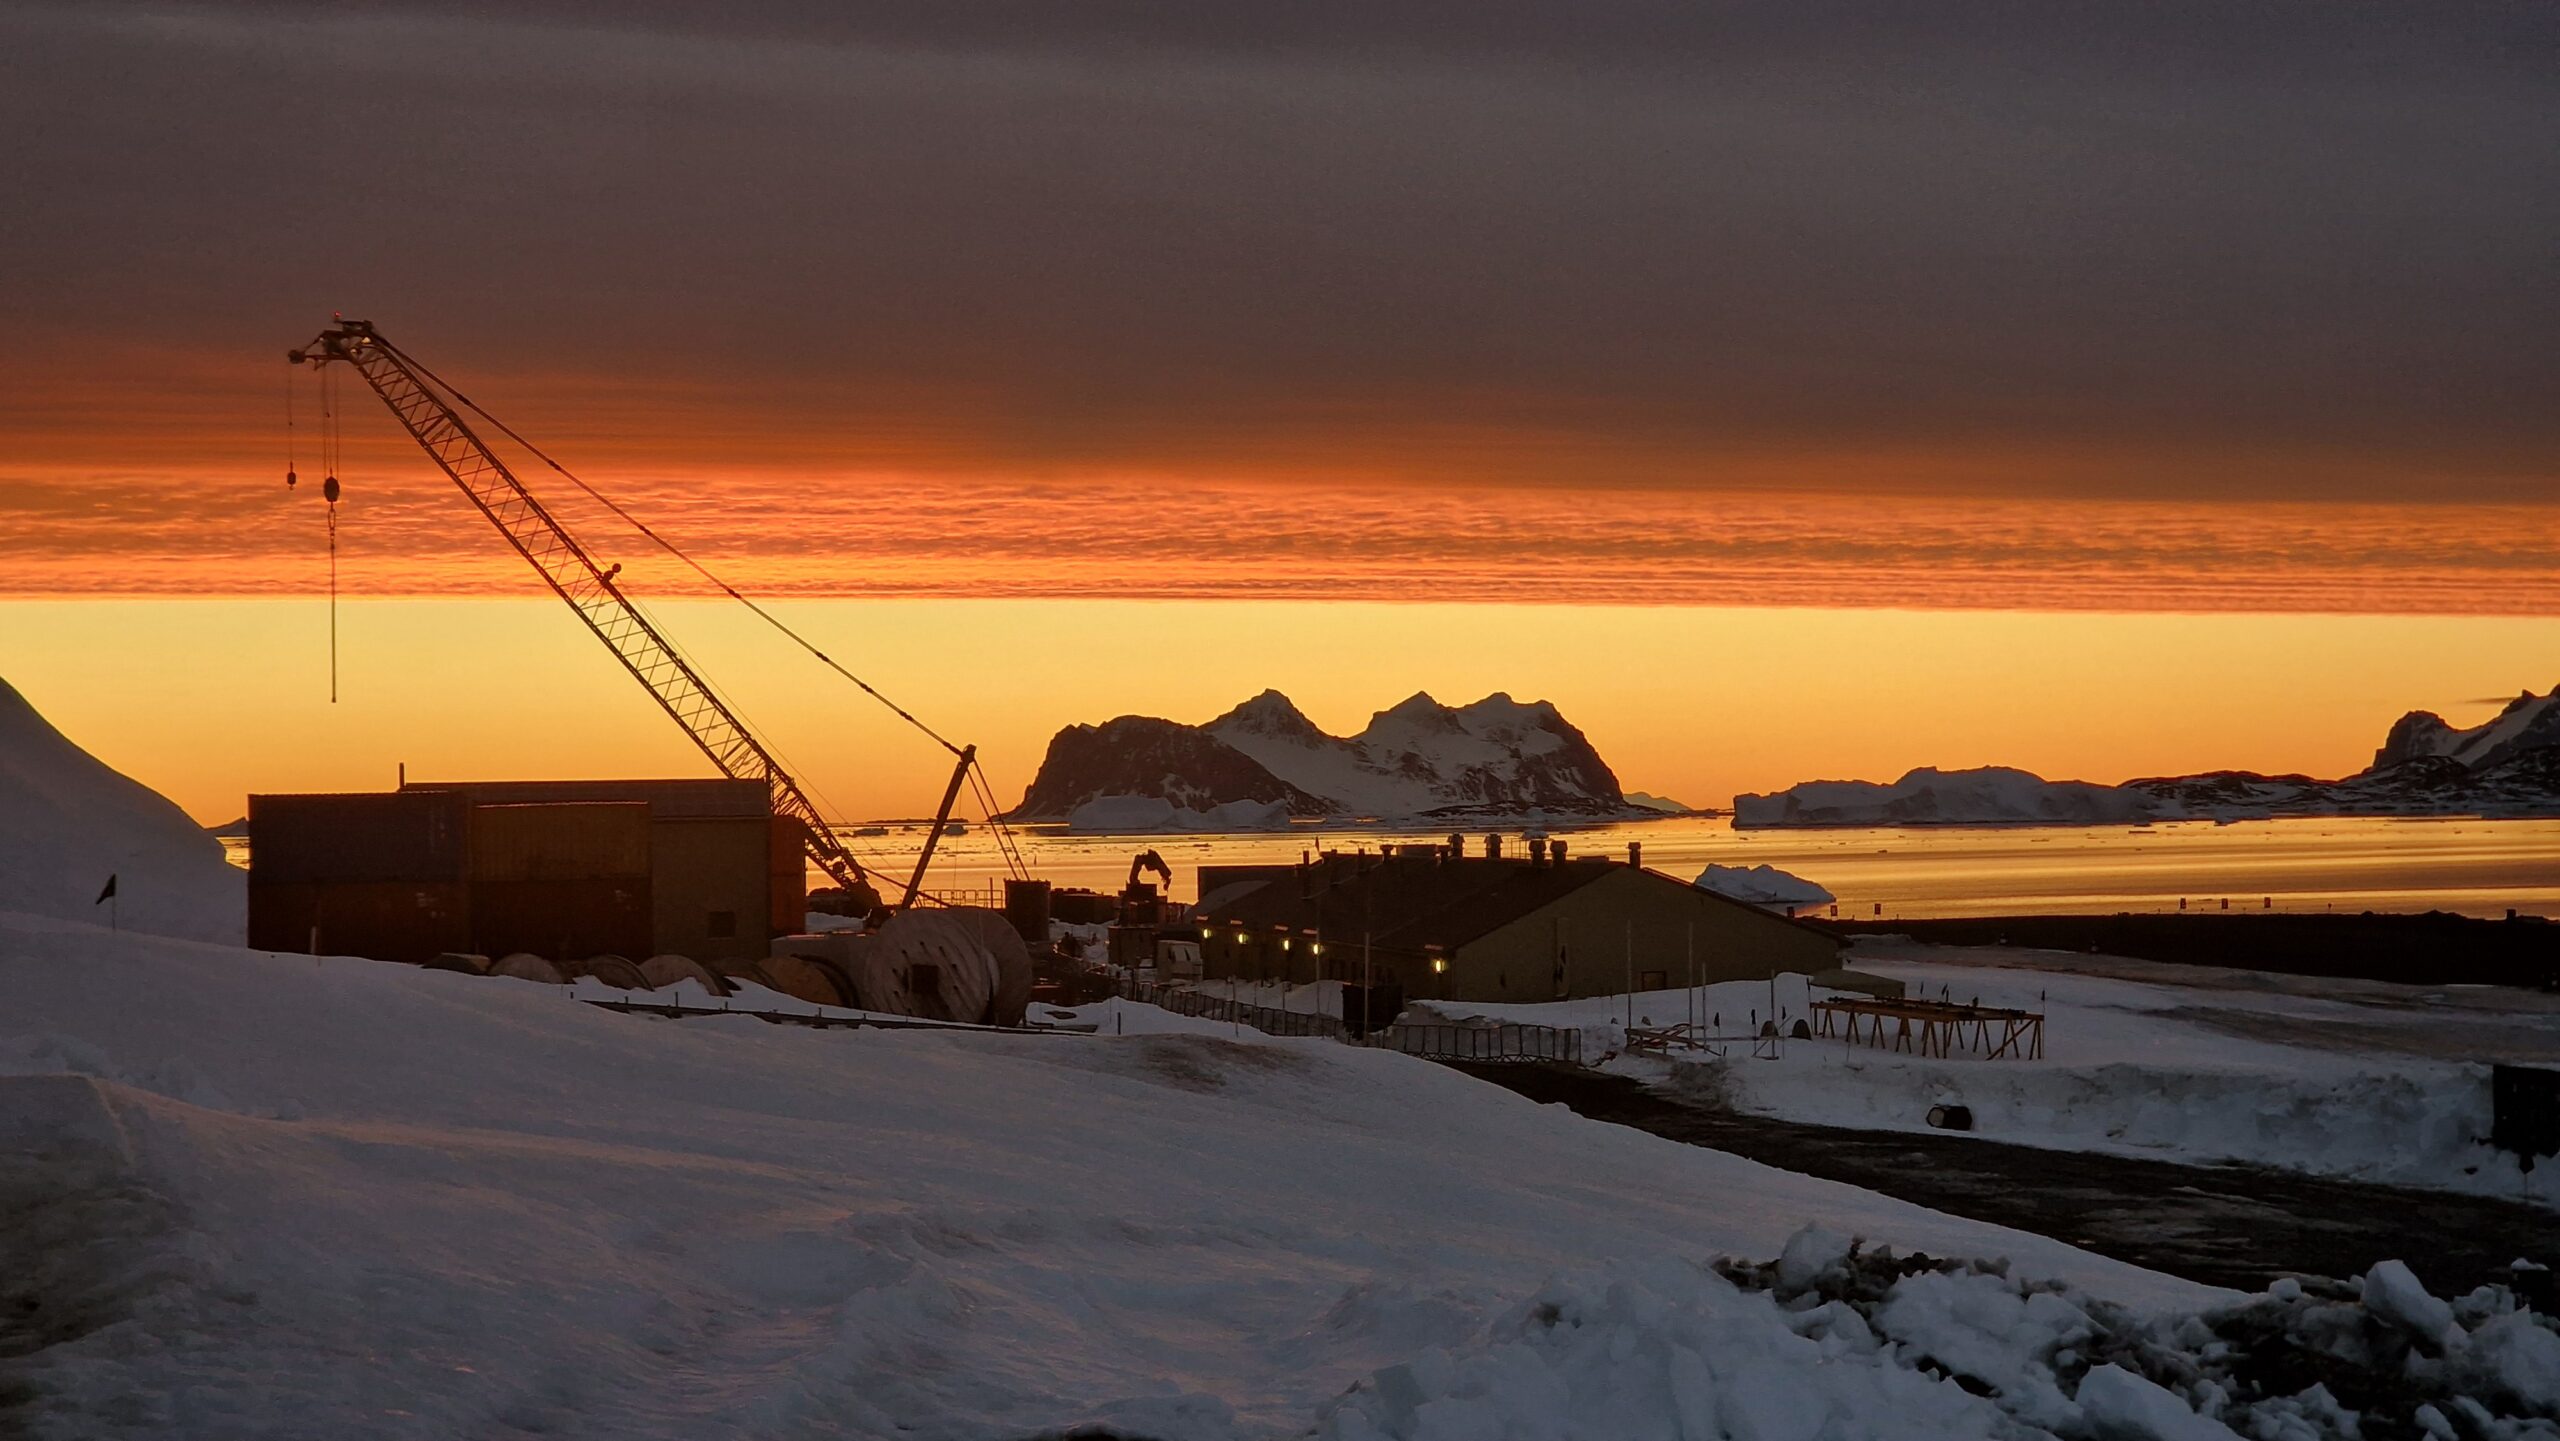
(1284, 943)
(1239, 938)
(1439, 965)
(1315, 948)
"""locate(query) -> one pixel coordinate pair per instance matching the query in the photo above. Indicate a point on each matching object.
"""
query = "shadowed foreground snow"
(268, 1195)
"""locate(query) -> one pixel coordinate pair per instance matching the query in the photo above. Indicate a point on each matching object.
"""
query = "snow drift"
(68, 822)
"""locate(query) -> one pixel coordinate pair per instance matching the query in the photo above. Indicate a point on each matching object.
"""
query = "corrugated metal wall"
(401, 836)
(561, 841)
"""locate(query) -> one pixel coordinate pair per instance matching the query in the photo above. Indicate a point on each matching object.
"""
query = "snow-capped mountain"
(2507, 766)
(2529, 722)
(1419, 757)
(1146, 757)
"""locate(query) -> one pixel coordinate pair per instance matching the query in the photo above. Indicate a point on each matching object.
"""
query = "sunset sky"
(1785, 392)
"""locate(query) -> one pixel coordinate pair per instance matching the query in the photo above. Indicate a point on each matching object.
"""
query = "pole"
(1631, 973)
(1692, 961)
(1368, 995)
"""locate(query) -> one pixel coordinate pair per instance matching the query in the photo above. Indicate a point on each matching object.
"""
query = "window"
(720, 925)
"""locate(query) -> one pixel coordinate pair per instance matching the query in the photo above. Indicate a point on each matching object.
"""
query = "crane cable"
(981, 787)
(671, 548)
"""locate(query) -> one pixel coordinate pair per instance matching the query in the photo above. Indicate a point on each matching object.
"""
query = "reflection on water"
(2476, 867)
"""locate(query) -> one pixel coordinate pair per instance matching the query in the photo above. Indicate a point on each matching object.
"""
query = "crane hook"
(329, 490)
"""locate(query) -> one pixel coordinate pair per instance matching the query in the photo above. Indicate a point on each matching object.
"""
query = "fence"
(1449, 1042)
(1183, 1001)
(1484, 1043)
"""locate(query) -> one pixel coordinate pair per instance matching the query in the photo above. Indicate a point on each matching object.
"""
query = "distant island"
(2508, 766)
(1264, 764)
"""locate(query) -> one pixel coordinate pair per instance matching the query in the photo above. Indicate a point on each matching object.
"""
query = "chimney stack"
(1537, 850)
(1493, 845)
(1635, 853)
(1555, 850)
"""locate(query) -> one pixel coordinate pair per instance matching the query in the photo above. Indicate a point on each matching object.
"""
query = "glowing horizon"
(1693, 702)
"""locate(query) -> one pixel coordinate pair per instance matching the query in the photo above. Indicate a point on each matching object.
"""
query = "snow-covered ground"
(2353, 1079)
(335, 1197)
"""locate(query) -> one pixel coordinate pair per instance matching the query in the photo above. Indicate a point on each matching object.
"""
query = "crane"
(416, 397)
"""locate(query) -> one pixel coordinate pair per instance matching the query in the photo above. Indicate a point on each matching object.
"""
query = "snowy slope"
(68, 821)
(336, 1198)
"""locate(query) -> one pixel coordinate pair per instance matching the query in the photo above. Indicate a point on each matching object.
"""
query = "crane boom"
(589, 590)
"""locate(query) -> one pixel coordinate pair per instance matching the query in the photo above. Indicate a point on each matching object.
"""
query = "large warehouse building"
(1439, 925)
(562, 869)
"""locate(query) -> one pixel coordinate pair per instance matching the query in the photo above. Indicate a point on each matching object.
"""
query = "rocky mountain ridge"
(1417, 758)
(2506, 766)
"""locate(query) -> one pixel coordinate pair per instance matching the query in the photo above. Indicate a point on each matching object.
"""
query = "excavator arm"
(574, 576)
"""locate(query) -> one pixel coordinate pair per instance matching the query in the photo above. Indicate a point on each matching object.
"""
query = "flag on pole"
(106, 895)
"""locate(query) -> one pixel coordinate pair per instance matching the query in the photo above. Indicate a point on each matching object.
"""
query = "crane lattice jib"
(590, 591)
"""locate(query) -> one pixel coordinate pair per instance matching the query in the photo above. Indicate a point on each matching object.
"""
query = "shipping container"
(567, 920)
(406, 921)
(395, 836)
(560, 841)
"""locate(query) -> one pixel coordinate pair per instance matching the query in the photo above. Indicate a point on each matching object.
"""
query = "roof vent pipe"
(1555, 850)
(1493, 845)
(1537, 850)
(1635, 853)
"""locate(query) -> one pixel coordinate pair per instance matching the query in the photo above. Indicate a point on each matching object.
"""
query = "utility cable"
(671, 548)
(984, 791)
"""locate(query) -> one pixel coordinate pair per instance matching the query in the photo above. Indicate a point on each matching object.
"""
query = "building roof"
(687, 799)
(1409, 903)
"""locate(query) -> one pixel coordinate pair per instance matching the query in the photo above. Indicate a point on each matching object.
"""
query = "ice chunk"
(2120, 1406)
(1809, 1253)
(2393, 1294)
(2513, 1358)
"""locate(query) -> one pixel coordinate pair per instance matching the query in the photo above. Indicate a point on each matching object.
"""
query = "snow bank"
(1150, 815)
(1763, 886)
(397, 1203)
(68, 822)
(1871, 1345)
